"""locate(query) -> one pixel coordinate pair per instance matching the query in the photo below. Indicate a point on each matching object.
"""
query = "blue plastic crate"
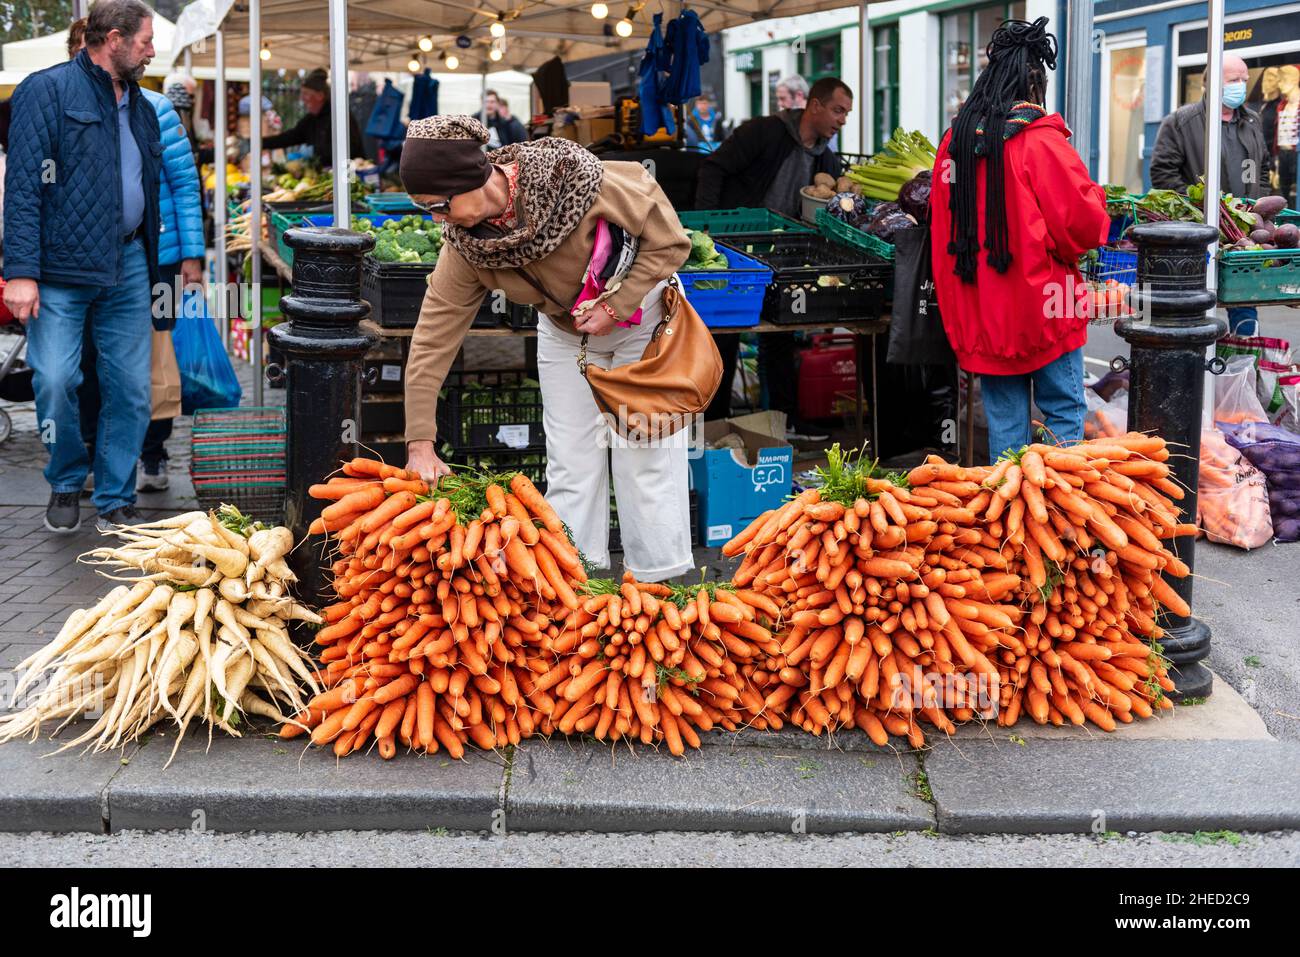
(1116, 264)
(728, 298)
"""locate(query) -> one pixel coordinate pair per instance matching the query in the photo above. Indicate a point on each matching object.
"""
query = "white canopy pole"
(219, 190)
(339, 111)
(187, 61)
(1078, 78)
(866, 95)
(1213, 126)
(255, 180)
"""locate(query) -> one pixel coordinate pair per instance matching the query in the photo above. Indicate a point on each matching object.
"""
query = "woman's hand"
(423, 461)
(596, 321)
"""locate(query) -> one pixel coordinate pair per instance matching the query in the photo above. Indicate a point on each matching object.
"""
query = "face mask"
(1234, 94)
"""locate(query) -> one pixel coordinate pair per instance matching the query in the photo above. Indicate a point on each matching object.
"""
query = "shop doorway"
(1123, 90)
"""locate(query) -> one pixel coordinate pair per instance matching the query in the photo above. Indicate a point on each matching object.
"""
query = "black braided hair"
(1018, 54)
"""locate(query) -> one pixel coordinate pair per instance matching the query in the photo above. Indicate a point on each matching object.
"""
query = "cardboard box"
(736, 485)
(590, 93)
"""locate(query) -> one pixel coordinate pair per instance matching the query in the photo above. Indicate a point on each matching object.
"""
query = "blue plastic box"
(735, 486)
(728, 298)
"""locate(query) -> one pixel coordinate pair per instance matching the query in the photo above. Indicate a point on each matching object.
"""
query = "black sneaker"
(63, 514)
(797, 431)
(126, 515)
(153, 476)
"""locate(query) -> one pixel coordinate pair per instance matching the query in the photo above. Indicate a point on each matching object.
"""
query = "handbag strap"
(669, 313)
(537, 284)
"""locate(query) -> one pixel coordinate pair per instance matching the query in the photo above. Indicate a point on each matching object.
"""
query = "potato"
(824, 179)
(843, 184)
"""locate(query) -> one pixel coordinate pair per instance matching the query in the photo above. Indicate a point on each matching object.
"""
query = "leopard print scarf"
(558, 183)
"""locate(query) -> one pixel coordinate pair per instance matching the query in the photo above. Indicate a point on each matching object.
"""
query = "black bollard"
(1168, 335)
(322, 345)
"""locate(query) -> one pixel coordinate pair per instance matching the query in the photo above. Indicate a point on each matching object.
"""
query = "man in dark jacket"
(1178, 159)
(314, 129)
(765, 163)
(81, 246)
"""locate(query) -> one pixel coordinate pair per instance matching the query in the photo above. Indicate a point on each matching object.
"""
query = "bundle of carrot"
(657, 663)
(444, 599)
(950, 594)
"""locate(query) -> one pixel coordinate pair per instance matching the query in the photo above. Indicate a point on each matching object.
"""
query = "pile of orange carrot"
(893, 604)
(1029, 586)
(443, 604)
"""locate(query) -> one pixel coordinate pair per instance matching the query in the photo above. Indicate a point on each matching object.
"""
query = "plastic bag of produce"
(1270, 385)
(1233, 497)
(1276, 453)
(1262, 349)
(208, 380)
(1288, 414)
(1105, 418)
(1235, 392)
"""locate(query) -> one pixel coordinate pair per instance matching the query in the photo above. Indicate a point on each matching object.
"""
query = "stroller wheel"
(6, 426)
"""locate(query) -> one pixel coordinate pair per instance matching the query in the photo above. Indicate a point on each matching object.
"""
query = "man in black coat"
(765, 163)
(314, 129)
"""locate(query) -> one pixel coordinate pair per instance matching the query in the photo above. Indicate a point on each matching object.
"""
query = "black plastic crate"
(531, 462)
(491, 410)
(522, 317)
(817, 280)
(382, 414)
(395, 292)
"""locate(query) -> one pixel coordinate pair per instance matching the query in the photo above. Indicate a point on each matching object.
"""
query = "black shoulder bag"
(916, 335)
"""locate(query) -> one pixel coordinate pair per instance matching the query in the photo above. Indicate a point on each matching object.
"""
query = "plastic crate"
(728, 298)
(489, 411)
(817, 280)
(730, 222)
(398, 203)
(395, 292)
(1117, 264)
(1265, 275)
(842, 232)
(237, 456)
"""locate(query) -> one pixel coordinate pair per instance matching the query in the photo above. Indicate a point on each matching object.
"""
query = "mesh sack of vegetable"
(1276, 453)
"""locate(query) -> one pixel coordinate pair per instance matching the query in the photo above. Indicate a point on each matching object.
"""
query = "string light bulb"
(494, 54)
(623, 28)
(413, 65)
(265, 53)
(498, 28)
(426, 44)
(599, 10)
(453, 61)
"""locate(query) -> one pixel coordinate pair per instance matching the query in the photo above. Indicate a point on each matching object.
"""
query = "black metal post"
(323, 345)
(1168, 335)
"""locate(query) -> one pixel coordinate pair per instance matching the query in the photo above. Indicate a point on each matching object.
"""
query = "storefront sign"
(464, 42)
(1283, 28)
(745, 62)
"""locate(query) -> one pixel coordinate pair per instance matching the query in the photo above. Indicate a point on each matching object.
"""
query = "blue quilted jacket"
(179, 203)
(63, 188)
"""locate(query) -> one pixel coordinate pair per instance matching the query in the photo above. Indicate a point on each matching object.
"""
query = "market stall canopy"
(22, 57)
(382, 34)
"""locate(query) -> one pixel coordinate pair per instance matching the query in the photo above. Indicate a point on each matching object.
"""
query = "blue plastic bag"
(386, 118)
(208, 379)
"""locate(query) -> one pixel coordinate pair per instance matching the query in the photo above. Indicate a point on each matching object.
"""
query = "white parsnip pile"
(201, 632)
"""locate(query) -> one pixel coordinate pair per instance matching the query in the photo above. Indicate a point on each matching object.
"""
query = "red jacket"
(1018, 321)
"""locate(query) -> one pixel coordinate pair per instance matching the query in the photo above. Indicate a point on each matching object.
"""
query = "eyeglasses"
(442, 207)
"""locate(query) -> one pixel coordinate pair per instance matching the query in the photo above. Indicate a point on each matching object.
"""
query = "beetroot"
(1269, 206)
(1261, 236)
(1287, 237)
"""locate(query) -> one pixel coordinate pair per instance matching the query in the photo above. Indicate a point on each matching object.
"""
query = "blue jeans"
(121, 325)
(1057, 391)
(1243, 321)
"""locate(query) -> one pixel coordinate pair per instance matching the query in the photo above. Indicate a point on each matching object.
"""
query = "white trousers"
(651, 481)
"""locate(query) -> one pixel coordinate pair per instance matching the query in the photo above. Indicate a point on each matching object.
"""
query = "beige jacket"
(629, 197)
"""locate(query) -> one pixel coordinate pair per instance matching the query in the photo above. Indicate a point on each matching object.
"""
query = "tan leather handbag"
(672, 382)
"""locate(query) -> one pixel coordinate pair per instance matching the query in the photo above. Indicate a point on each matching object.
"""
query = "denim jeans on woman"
(121, 326)
(1057, 390)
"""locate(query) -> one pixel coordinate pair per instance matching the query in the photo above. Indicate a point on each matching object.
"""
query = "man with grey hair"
(792, 93)
(81, 246)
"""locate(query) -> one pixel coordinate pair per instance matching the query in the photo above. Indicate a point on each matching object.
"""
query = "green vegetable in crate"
(704, 254)
(883, 175)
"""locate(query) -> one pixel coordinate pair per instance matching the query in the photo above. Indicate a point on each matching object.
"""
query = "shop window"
(820, 58)
(1125, 123)
(884, 75)
(964, 38)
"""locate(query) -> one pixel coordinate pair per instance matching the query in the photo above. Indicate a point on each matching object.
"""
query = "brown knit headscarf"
(558, 183)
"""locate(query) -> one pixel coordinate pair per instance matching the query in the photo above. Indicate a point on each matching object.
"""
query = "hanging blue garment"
(386, 118)
(655, 112)
(687, 46)
(424, 96)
